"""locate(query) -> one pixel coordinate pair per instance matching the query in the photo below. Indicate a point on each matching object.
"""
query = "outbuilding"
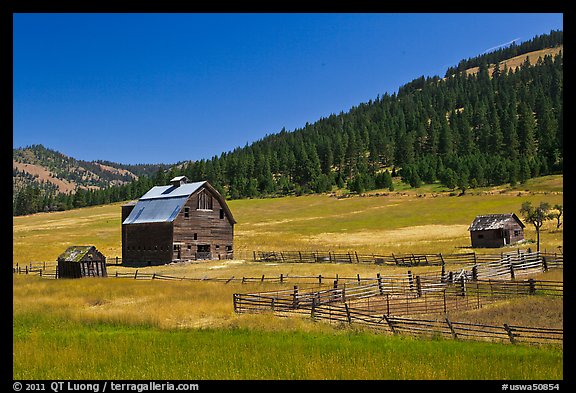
(81, 261)
(496, 230)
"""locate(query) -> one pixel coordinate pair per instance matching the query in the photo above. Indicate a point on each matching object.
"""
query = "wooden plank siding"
(203, 228)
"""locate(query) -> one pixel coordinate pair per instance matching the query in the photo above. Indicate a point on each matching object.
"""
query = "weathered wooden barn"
(496, 230)
(178, 222)
(81, 261)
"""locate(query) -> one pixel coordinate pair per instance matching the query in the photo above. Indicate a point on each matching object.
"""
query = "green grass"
(128, 329)
(67, 350)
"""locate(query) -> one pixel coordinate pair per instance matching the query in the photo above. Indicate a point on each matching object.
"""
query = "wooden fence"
(553, 259)
(371, 306)
(342, 313)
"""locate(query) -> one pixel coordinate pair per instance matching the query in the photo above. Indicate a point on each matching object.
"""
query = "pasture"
(112, 328)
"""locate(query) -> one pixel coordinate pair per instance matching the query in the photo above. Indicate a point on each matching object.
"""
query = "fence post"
(511, 334)
(348, 313)
(454, 335)
(313, 310)
(544, 264)
(320, 279)
(281, 278)
(358, 277)
(532, 285)
(295, 294)
(462, 286)
(136, 274)
(380, 287)
(389, 324)
(411, 280)
(475, 272)
(234, 296)
(418, 286)
(511, 267)
(443, 274)
(116, 260)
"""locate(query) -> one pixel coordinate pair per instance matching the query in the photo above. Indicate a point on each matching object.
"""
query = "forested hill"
(495, 123)
(45, 179)
(494, 126)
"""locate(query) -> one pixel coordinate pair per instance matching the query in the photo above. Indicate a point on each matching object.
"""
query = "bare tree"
(557, 212)
(536, 216)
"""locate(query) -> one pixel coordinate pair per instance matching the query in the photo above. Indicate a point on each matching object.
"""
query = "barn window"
(186, 212)
(221, 214)
(480, 236)
(516, 232)
(204, 201)
(195, 236)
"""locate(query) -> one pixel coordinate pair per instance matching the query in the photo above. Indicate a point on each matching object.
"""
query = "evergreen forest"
(497, 126)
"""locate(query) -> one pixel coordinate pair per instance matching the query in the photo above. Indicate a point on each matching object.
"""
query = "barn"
(81, 261)
(177, 222)
(496, 230)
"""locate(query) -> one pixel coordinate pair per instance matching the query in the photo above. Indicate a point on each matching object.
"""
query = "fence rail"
(553, 259)
(331, 308)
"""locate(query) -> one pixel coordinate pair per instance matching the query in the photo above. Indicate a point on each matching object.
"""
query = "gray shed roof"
(76, 253)
(492, 221)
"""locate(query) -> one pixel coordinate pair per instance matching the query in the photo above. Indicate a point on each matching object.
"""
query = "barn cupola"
(178, 181)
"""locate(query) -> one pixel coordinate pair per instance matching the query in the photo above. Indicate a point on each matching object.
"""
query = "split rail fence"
(385, 302)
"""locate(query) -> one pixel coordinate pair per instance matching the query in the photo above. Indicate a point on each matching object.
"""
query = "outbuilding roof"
(492, 221)
(76, 253)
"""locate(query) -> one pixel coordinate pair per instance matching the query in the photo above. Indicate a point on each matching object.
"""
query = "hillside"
(476, 128)
(44, 179)
(66, 173)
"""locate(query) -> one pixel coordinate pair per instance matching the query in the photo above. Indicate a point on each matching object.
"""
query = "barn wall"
(147, 244)
(209, 228)
(487, 238)
(513, 227)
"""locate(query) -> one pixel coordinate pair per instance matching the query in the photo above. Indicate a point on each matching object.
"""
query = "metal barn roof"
(492, 221)
(163, 203)
(156, 210)
(171, 191)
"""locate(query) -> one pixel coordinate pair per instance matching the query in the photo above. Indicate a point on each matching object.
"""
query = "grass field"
(97, 328)
(129, 329)
(425, 220)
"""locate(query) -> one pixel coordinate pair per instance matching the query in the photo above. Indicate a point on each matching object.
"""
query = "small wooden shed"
(81, 261)
(496, 230)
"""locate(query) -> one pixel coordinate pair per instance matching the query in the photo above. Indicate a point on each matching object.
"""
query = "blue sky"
(151, 88)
